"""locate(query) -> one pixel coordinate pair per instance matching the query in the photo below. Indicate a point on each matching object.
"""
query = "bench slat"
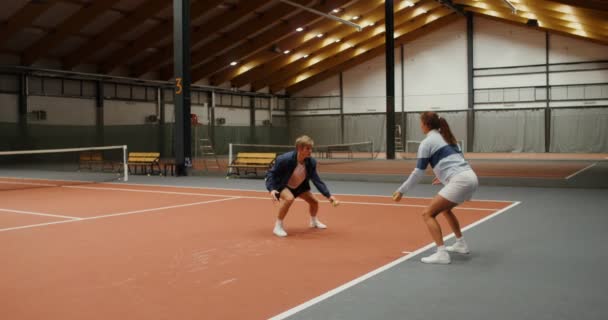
(256, 155)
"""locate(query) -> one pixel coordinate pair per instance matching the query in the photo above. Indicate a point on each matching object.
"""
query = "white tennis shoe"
(279, 231)
(439, 257)
(315, 223)
(459, 246)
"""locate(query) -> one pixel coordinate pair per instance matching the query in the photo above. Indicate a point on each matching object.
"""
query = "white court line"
(116, 214)
(581, 170)
(249, 190)
(258, 198)
(43, 179)
(40, 214)
(30, 183)
(354, 282)
(232, 189)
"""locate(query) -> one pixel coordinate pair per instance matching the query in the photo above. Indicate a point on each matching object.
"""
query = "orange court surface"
(127, 251)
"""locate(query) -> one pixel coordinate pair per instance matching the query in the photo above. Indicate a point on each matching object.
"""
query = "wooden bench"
(250, 162)
(145, 161)
(90, 159)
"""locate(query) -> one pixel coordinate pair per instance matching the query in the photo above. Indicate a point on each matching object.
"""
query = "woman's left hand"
(397, 196)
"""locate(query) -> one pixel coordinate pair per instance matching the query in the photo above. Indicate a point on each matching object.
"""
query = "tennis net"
(59, 167)
(324, 153)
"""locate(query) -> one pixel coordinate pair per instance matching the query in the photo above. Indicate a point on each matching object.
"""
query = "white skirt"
(461, 187)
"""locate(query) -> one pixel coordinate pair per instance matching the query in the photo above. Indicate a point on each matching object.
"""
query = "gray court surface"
(545, 258)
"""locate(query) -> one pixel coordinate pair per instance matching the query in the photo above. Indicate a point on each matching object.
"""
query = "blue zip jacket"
(278, 176)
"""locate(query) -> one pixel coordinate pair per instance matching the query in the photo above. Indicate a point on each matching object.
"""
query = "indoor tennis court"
(156, 158)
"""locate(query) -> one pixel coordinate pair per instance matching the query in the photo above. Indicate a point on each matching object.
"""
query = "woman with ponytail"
(439, 149)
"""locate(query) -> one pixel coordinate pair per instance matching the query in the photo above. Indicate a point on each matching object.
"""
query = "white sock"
(279, 223)
(461, 239)
(313, 219)
(441, 248)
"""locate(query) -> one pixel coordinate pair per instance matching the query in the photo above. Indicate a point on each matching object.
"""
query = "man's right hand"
(274, 194)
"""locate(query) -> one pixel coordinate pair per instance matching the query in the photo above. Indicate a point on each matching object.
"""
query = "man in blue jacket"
(289, 178)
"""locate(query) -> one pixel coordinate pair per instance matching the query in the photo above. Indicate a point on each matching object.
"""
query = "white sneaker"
(317, 224)
(278, 231)
(439, 257)
(459, 247)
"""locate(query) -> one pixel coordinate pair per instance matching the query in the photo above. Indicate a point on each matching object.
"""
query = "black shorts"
(303, 187)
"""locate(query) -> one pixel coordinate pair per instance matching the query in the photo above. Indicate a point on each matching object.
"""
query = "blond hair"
(304, 141)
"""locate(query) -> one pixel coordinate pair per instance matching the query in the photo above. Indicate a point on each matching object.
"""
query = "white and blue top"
(445, 159)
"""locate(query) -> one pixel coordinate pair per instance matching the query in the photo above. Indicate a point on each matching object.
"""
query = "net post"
(373, 149)
(124, 163)
(229, 158)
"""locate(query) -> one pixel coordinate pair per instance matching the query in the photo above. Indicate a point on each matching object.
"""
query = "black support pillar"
(403, 115)
(99, 117)
(22, 131)
(161, 122)
(390, 79)
(471, 92)
(211, 115)
(252, 138)
(548, 95)
(181, 61)
(341, 107)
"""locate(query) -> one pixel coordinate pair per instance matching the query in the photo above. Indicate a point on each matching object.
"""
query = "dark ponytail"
(445, 131)
(433, 121)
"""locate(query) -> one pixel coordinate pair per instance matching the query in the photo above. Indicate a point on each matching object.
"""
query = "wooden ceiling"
(260, 36)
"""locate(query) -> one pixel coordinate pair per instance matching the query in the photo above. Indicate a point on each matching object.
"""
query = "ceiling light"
(300, 29)
(409, 4)
(319, 35)
(233, 63)
(336, 10)
(355, 17)
(286, 52)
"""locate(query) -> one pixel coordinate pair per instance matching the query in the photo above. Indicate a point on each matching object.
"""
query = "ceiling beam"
(589, 4)
(315, 49)
(546, 23)
(298, 44)
(261, 41)
(22, 18)
(344, 53)
(234, 37)
(200, 33)
(403, 21)
(124, 25)
(55, 37)
(556, 6)
(531, 12)
(153, 36)
(373, 53)
(449, 4)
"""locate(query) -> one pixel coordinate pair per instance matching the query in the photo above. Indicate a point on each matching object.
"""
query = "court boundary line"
(40, 214)
(226, 197)
(581, 170)
(115, 214)
(30, 183)
(377, 271)
(266, 198)
(228, 189)
(249, 190)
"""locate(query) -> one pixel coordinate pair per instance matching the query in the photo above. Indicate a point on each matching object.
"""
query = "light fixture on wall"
(532, 23)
